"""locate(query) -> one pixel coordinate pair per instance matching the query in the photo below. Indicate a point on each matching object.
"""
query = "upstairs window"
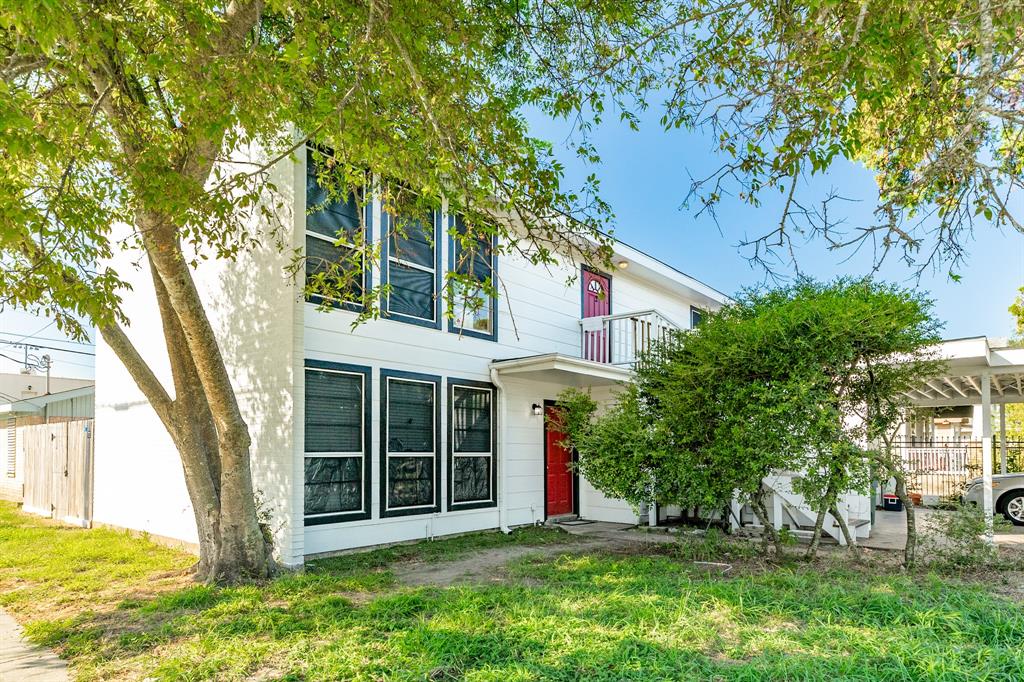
(336, 231)
(475, 311)
(696, 317)
(411, 266)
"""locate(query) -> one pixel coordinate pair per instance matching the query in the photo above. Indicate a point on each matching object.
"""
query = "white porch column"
(652, 515)
(986, 453)
(1002, 438)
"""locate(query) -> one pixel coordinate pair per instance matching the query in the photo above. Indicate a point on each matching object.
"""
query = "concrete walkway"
(23, 662)
(890, 529)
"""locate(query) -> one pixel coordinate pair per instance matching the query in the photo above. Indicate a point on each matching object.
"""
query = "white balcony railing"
(620, 339)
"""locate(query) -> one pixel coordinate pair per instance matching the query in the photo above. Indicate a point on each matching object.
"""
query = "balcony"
(620, 339)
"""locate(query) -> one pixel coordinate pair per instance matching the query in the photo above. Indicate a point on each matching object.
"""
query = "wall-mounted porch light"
(537, 409)
(622, 264)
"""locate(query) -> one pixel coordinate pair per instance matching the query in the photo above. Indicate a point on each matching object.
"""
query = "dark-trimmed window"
(411, 266)
(696, 316)
(410, 457)
(337, 443)
(334, 234)
(476, 312)
(472, 474)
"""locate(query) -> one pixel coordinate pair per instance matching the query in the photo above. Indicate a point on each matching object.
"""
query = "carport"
(978, 372)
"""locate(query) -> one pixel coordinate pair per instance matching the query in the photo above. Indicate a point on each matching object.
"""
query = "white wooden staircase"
(788, 509)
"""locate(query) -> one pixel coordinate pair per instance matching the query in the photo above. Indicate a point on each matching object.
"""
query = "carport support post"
(1002, 438)
(986, 454)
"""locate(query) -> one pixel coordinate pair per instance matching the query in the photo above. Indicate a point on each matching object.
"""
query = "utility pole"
(47, 362)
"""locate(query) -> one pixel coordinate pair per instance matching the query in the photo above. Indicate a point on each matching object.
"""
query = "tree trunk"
(203, 418)
(851, 541)
(910, 549)
(769, 538)
(240, 550)
(819, 522)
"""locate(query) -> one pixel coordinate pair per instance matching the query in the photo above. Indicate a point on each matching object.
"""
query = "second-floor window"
(696, 317)
(335, 234)
(475, 311)
(411, 269)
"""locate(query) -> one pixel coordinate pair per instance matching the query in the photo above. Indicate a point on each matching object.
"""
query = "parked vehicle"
(1007, 495)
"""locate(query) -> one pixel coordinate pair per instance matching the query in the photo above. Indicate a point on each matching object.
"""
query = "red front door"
(560, 478)
(597, 302)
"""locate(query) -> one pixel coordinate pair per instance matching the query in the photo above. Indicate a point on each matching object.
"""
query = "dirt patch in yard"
(487, 566)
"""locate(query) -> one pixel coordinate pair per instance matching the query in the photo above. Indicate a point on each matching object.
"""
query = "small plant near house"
(955, 539)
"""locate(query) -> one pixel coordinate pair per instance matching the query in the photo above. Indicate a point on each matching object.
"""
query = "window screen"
(329, 220)
(411, 455)
(472, 444)
(334, 442)
(473, 307)
(412, 268)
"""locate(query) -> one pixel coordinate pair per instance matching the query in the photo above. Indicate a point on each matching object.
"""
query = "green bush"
(956, 539)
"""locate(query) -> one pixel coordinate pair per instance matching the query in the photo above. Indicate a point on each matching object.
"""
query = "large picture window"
(337, 443)
(334, 236)
(410, 443)
(475, 311)
(472, 474)
(411, 267)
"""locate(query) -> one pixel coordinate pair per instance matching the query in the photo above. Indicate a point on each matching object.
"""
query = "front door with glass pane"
(597, 302)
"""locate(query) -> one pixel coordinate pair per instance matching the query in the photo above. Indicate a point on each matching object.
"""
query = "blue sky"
(645, 177)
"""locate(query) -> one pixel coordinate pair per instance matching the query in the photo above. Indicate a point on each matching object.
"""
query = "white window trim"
(415, 266)
(490, 452)
(339, 455)
(388, 455)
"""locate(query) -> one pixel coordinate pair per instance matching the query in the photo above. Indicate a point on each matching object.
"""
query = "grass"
(573, 615)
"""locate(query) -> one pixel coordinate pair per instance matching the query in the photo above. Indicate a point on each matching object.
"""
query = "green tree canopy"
(925, 94)
(793, 378)
(129, 124)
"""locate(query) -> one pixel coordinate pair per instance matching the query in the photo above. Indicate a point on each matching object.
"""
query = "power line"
(36, 345)
(39, 331)
(47, 338)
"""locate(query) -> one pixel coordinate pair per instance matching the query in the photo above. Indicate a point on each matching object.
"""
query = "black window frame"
(452, 384)
(452, 326)
(385, 270)
(367, 432)
(385, 376)
(696, 316)
(367, 238)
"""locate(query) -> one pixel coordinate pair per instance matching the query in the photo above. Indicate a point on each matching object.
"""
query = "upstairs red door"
(558, 470)
(597, 302)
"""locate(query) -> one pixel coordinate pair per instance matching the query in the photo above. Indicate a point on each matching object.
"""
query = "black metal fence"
(938, 469)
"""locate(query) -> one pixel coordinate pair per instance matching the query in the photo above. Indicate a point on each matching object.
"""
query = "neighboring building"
(406, 427)
(17, 386)
(67, 405)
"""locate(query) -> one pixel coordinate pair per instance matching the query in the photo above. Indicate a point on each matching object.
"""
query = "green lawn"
(118, 607)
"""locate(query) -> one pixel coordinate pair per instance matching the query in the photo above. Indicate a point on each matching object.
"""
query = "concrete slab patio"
(23, 662)
(889, 530)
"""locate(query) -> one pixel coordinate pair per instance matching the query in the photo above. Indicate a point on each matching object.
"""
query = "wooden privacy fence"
(58, 470)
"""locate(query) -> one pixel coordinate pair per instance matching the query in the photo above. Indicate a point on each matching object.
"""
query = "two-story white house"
(406, 427)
